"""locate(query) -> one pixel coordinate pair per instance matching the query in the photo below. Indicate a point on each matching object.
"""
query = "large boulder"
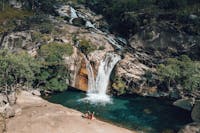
(191, 128)
(7, 110)
(196, 112)
(186, 103)
(12, 98)
(3, 99)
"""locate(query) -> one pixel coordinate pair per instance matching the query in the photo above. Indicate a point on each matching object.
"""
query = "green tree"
(54, 52)
(17, 68)
(182, 71)
(54, 73)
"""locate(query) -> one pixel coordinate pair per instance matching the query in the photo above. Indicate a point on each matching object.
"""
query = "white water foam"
(97, 89)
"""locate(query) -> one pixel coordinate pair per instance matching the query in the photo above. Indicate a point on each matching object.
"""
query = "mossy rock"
(119, 85)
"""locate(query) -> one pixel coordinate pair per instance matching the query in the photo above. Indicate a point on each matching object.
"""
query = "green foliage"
(171, 4)
(149, 78)
(11, 13)
(36, 36)
(46, 6)
(40, 22)
(181, 71)
(46, 28)
(101, 48)
(54, 52)
(53, 77)
(86, 46)
(54, 73)
(148, 35)
(17, 68)
(126, 16)
(9, 16)
(119, 85)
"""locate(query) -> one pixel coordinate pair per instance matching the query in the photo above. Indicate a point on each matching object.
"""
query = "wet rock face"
(73, 63)
(196, 112)
(82, 77)
(82, 16)
(191, 128)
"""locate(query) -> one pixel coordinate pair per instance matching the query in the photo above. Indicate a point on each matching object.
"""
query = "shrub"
(17, 68)
(86, 47)
(182, 71)
(101, 48)
(54, 52)
(119, 85)
(54, 72)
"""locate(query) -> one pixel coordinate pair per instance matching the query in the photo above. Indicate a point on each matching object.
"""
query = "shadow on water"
(134, 112)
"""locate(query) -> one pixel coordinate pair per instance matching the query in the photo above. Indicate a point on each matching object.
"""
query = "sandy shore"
(40, 116)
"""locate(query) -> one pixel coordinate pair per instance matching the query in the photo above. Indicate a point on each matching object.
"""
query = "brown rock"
(82, 78)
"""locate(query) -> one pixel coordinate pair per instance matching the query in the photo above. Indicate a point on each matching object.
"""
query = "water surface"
(145, 114)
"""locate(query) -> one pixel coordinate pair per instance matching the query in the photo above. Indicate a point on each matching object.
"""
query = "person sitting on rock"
(92, 116)
(86, 115)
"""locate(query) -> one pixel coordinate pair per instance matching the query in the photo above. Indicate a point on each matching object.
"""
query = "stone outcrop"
(130, 68)
(73, 63)
(196, 112)
(40, 116)
(7, 104)
(186, 103)
(36, 92)
(18, 40)
(191, 128)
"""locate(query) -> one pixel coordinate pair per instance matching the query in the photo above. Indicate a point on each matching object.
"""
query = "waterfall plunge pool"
(145, 114)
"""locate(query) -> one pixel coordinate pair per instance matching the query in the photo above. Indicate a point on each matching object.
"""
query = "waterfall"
(73, 15)
(97, 88)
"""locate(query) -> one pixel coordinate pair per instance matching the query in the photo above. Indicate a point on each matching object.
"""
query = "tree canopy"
(181, 71)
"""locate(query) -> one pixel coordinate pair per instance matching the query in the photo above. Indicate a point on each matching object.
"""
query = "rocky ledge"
(40, 116)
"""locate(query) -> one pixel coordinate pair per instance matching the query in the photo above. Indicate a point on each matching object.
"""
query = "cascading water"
(73, 15)
(97, 89)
